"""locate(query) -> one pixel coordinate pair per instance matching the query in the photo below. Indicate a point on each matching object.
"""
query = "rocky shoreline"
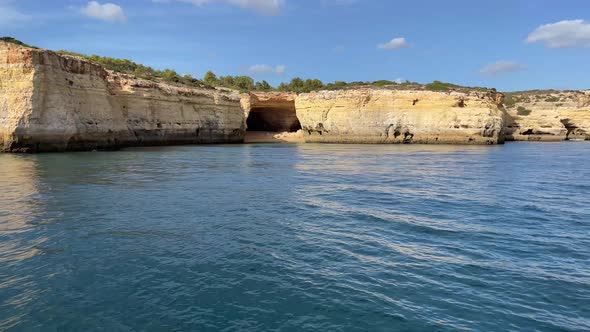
(51, 102)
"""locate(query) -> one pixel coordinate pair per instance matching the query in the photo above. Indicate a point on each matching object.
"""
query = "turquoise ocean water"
(297, 238)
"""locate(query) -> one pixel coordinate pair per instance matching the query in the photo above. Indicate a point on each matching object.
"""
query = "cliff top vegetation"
(16, 42)
(129, 67)
(246, 83)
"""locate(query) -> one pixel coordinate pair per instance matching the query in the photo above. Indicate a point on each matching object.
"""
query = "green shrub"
(522, 111)
(510, 101)
(244, 83)
(552, 99)
(129, 67)
(188, 80)
(299, 85)
(211, 79)
(15, 41)
(144, 72)
(263, 86)
(437, 86)
(313, 85)
(383, 83)
(168, 75)
(337, 85)
(227, 81)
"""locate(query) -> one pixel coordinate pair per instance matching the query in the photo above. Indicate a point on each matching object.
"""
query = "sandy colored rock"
(548, 115)
(401, 116)
(50, 102)
(274, 137)
(274, 99)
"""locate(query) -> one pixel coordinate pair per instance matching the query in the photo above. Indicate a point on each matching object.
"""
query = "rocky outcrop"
(401, 116)
(50, 102)
(547, 115)
(274, 99)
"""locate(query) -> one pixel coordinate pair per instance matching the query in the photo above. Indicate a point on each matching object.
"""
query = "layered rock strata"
(547, 115)
(401, 116)
(50, 102)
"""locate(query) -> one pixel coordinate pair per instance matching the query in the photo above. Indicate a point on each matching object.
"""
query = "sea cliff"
(401, 116)
(547, 115)
(58, 102)
(50, 102)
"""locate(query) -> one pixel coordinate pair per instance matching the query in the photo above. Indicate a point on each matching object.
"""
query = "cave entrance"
(273, 124)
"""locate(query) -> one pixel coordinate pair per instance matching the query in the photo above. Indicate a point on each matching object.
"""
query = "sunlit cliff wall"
(401, 116)
(50, 102)
(548, 115)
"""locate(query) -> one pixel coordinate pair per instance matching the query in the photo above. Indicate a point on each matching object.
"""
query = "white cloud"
(501, 67)
(107, 12)
(563, 34)
(9, 16)
(394, 44)
(267, 70)
(268, 7)
(265, 7)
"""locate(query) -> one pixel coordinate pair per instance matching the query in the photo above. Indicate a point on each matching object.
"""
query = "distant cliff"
(50, 102)
(547, 115)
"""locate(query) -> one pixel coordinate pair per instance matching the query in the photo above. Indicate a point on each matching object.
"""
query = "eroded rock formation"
(50, 102)
(401, 116)
(271, 111)
(548, 115)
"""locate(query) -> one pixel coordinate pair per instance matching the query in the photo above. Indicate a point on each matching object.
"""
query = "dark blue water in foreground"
(297, 237)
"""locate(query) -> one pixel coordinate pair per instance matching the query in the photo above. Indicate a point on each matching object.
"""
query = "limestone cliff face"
(50, 102)
(401, 116)
(548, 116)
(16, 89)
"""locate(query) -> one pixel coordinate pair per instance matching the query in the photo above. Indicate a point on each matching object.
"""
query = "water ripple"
(297, 237)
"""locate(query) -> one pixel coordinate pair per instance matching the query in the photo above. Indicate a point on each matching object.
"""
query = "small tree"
(312, 85)
(263, 86)
(297, 85)
(211, 79)
(227, 81)
(283, 87)
(170, 75)
(244, 83)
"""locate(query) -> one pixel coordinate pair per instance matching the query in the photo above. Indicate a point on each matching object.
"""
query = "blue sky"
(506, 44)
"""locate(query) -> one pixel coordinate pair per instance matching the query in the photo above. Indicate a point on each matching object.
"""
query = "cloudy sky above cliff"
(507, 44)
